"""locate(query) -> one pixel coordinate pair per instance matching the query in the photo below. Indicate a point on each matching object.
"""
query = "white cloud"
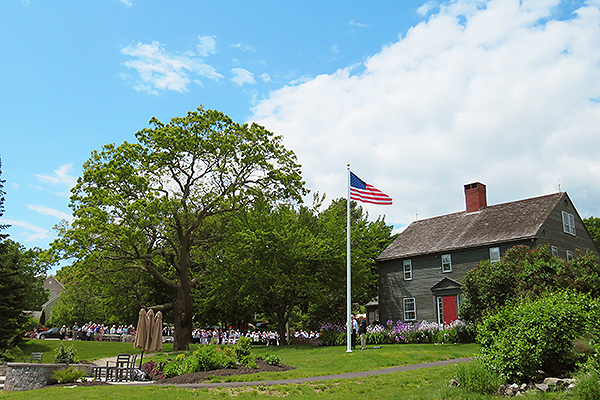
(242, 46)
(358, 24)
(33, 232)
(60, 215)
(242, 76)
(265, 77)
(128, 3)
(60, 177)
(425, 8)
(160, 70)
(207, 45)
(497, 92)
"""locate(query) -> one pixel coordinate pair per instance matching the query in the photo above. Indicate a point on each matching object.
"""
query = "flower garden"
(334, 334)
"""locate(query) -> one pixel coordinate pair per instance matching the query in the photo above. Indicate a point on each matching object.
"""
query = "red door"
(449, 304)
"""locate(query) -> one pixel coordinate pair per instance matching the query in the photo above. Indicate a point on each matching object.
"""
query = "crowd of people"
(231, 336)
(93, 331)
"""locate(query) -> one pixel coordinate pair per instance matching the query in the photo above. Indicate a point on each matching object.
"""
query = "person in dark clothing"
(362, 331)
(354, 331)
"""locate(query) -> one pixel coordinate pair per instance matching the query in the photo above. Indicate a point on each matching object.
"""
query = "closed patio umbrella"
(141, 332)
(156, 343)
(149, 334)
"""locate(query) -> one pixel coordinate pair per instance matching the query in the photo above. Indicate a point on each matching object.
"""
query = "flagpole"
(348, 273)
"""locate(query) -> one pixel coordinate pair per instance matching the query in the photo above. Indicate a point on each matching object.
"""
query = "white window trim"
(569, 255)
(446, 263)
(493, 250)
(414, 309)
(554, 250)
(408, 273)
(568, 221)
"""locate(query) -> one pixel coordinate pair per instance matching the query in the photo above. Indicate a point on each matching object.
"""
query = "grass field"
(430, 383)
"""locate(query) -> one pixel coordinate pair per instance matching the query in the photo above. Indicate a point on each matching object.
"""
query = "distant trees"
(282, 262)
(593, 226)
(21, 280)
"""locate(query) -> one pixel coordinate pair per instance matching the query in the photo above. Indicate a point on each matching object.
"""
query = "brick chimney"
(475, 197)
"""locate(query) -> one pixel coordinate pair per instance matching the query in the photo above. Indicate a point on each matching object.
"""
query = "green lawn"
(430, 383)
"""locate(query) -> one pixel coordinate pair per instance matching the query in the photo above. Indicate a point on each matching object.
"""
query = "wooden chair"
(110, 371)
(122, 368)
(35, 358)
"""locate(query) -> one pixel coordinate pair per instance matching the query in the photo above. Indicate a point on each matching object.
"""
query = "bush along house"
(420, 272)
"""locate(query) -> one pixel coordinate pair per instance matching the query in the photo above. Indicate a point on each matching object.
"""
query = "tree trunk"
(281, 331)
(183, 310)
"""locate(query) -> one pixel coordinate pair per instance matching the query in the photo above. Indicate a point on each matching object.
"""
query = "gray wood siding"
(552, 232)
(427, 271)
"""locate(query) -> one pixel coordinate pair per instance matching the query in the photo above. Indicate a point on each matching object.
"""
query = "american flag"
(362, 191)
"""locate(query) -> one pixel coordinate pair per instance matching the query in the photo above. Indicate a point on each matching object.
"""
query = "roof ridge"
(503, 222)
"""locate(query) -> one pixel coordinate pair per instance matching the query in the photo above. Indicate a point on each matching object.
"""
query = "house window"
(494, 254)
(446, 263)
(569, 255)
(407, 270)
(410, 309)
(440, 306)
(554, 251)
(568, 221)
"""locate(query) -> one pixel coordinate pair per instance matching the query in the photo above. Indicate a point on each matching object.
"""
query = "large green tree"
(159, 204)
(281, 259)
(367, 240)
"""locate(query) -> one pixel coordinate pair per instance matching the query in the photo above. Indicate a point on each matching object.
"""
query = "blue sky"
(419, 97)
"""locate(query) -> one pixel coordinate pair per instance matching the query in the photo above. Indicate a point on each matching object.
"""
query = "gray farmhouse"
(420, 273)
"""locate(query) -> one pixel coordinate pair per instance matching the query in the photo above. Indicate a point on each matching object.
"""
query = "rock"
(542, 386)
(553, 382)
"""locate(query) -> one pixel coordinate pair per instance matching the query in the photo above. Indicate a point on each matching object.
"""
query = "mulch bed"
(200, 377)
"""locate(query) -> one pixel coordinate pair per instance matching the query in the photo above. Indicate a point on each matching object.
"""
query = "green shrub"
(228, 351)
(65, 354)
(227, 357)
(69, 375)
(528, 336)
(173, 368)
(243, 347)
(272, 359)
(248, 361)
(159, 365)
(206, 358)
(477, 378)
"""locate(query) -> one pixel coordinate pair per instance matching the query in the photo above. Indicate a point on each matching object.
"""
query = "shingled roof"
(495, 224)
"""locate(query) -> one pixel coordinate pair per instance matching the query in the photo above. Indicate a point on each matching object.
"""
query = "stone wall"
(26, 376)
